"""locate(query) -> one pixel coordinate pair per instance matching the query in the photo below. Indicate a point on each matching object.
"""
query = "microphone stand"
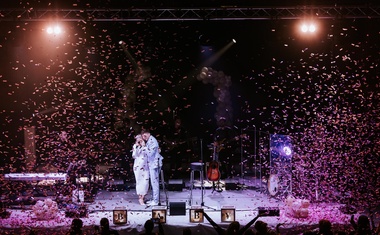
(161, 177)
(202, 176)
(158, 173)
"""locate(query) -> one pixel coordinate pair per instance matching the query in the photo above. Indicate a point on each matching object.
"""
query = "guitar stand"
(216, 186)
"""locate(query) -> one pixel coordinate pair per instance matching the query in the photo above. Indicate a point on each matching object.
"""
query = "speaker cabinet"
(231, 185)
(175, 185)
(177, 208)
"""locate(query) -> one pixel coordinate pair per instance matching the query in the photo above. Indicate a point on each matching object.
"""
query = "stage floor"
(245, 200)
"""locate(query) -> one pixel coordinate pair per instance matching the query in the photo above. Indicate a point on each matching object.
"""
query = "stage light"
(54, 30)
(308, 28)
(312, 28)
(57, 30)
(233, 40)
(304, 28)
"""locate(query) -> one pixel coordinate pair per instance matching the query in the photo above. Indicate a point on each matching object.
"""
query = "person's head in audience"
(363, 224)
(233, 228)
(149, 226)
(261, 227)
(325, 227)
(76, 226)
(186, 231)
(104, 224)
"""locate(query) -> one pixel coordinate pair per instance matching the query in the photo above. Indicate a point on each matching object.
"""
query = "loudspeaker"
(116, 185)
(231, 185)
(177, 208)
(175, 185)
(269, 211)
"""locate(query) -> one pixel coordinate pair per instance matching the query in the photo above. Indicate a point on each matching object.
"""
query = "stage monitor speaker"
(269, 211)
(175, 185)
(231, 185)
(177, 208)
(116, 185)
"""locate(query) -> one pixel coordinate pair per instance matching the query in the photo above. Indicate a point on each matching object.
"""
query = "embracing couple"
(147, 166)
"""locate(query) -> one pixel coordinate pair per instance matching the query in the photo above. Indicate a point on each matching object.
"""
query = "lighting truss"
(191, 14)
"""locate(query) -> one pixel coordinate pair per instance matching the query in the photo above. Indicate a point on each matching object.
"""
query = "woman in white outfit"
(140, 169)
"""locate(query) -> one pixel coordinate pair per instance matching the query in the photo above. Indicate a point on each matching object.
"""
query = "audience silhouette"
(149, 226)
(186, 231)
(76, 227)
(362, 227)
(105, 228)
(234, 227)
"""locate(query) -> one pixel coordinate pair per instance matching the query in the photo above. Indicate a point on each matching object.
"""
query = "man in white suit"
(152, 152)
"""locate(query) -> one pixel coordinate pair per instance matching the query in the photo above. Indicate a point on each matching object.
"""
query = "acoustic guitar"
(213, 173)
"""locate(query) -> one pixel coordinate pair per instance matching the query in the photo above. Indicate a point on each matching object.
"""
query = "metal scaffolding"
(191, 14)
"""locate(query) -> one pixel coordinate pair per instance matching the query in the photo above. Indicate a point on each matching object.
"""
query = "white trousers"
(155, 183)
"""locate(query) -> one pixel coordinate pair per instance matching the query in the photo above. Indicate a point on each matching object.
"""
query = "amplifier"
(175, 185)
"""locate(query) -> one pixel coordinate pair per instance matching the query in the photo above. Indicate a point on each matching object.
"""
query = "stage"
(246, 198)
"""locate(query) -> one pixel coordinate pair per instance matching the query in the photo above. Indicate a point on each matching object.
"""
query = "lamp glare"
(57, 30)
(304, 28)
(49, 30)
(312, 28)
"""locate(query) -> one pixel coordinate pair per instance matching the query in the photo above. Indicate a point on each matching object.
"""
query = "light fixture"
(56, 29)
(308, 27)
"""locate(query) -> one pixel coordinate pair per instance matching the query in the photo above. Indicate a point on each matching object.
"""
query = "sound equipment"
(177, 208)
(231, 185)
(175, 185)
(116, 185)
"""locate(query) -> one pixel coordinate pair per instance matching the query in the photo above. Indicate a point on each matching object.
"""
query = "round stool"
(196, 166)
